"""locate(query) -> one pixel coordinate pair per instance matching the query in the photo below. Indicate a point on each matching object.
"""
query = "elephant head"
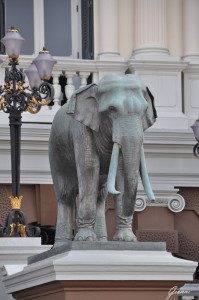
(129, 106)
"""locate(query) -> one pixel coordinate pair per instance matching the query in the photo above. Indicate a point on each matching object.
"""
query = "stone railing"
(75, 72)
(169, 153)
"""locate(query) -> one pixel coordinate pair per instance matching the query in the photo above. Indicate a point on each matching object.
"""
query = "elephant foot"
(102, 239)
(124, 234)
(61, 243)
(86, 234)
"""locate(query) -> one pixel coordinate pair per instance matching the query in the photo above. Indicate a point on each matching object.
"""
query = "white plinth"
(13, 257)
(102, 265)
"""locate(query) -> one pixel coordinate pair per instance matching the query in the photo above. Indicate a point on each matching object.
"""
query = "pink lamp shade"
(44, 63)
(13, 42)
(33, 76)
(195, 128)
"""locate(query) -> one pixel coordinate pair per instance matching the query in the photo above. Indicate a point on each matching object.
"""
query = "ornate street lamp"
(195, 128)
(16, 98)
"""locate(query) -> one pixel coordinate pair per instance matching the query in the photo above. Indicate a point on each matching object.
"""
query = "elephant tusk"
(113, 170)
(145, 177)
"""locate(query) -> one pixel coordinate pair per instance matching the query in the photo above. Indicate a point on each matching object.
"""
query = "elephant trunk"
(131, 166)
(113, 170)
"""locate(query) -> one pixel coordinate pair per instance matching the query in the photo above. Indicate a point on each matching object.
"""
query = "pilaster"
(108, 31)
(191, 30)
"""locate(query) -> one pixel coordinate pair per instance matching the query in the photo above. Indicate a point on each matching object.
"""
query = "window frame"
(38, 19)
(39, 39)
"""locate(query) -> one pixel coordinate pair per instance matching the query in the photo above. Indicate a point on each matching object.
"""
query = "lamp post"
(15, 98)
(195, 128)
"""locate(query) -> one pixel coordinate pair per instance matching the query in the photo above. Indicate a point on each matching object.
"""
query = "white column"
(150, 28)
(108, 30)
(191, 29)
(38, 25)
(57, 89)
(126, 28)
(69, 88)
(83, 76)
(174, 28)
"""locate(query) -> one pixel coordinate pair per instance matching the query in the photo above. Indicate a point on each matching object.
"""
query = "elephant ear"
(151, 113)
(84, 106)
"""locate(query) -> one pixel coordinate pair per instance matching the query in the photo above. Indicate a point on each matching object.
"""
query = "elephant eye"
(112, 109)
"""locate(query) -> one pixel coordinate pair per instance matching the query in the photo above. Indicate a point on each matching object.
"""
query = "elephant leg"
(87, 163)
(66, 194)
(123, 223)
(100, 222)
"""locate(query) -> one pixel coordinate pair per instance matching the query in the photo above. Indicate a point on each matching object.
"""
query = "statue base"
(101, 274)
(110, 245)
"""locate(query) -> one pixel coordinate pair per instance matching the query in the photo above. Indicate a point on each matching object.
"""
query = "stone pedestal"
(190, 291)
(13, 257)
(102, 274)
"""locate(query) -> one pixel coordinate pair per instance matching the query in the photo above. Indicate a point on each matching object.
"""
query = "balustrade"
(57, 89)
(78, 73)
(70, 87)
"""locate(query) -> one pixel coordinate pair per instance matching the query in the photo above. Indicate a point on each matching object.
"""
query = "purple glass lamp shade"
(12, 42)
(44, 63)
(195, 128)
(33, 76)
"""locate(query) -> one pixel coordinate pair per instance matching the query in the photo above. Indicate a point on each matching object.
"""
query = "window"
(65, 27)
(54, 24)
(57, 27)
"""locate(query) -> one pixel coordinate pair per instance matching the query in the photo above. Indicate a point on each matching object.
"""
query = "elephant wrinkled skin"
(96, 147)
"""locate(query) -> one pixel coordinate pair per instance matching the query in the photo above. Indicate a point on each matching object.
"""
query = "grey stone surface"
(112, 245)
(190, 289)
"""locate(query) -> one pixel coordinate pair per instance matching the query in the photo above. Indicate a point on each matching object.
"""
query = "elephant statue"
(96, 147)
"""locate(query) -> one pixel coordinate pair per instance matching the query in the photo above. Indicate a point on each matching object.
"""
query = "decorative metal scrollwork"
(17, 96)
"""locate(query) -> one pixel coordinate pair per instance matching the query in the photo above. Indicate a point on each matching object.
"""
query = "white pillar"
(174, 28)
(83, 77)
(69, 88)
(126, 30)
(150, 28)
(108, 30)
(57, 89)
(191, 29)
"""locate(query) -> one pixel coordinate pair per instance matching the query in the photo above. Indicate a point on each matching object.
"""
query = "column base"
(192, 58)
(150, 52)
(110, 56)
(110, 62)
